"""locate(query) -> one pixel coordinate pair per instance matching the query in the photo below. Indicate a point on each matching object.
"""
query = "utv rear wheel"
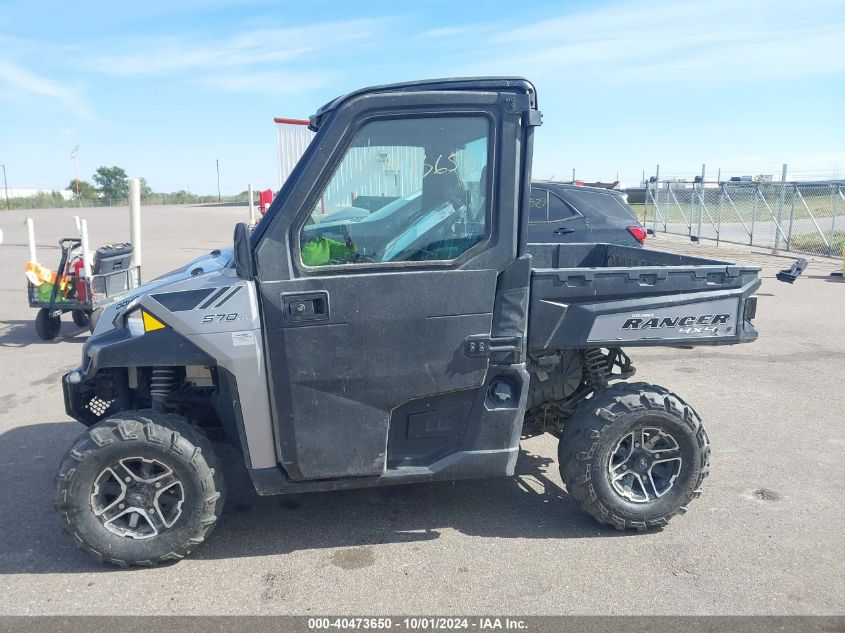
(46, 326)
(634, 455)
(139, 488)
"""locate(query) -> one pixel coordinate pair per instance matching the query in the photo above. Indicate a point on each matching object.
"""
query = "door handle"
(310, 306)
(562, 230)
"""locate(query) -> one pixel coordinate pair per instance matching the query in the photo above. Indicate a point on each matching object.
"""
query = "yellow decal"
(151, 323)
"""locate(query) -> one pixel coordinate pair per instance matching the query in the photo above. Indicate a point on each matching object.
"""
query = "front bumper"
(72, 398)
(82, 402)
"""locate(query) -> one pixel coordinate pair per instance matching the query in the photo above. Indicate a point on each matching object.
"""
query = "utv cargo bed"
(604, 295)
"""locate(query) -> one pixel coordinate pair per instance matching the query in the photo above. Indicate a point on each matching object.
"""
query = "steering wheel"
(435, 234)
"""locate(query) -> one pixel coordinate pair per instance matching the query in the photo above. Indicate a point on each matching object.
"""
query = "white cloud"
(450, 31)
(21, 79)
(249, 48)
(760, 39)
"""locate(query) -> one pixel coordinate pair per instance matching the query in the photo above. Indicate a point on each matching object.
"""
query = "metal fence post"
(719, 221)
(791, 217)
(700, 202)
(834, 192)
(691, 207)
(656, 198)
(781, 200)
(754, 213)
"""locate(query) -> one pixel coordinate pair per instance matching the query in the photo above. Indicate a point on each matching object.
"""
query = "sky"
(164, 89)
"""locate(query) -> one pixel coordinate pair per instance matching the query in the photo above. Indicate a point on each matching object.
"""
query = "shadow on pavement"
(828, 277)
(528, 506)
(244, 204)
(21, 333)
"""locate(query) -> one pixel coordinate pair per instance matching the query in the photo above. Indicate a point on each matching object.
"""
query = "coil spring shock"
(596, 368)
(162, 382)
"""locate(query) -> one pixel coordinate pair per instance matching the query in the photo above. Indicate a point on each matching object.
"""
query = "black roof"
(520, 84)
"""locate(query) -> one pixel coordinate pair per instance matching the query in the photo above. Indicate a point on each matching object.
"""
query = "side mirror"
(244, 265)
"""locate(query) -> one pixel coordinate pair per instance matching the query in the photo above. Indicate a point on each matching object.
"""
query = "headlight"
(139, 321)
(134, 322)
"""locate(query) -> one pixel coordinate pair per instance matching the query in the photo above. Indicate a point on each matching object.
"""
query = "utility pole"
(219, 198)
(6, 187)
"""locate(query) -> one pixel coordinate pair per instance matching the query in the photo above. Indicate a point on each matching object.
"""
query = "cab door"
(383, 341)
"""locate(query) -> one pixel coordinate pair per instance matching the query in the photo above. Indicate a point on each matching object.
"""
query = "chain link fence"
(791, 216)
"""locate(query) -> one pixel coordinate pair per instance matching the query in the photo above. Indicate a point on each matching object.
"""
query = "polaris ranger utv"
(412, 349)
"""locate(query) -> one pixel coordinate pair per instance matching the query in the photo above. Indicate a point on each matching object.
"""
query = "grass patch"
(639, 210)
(811, 242)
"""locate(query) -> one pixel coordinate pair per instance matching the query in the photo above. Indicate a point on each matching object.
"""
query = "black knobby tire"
(587, 445)
(166, 438)
(80, 318)
(93, 318)
(47, 327)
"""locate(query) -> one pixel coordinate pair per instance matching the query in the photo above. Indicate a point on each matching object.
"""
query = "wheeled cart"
(83, 288)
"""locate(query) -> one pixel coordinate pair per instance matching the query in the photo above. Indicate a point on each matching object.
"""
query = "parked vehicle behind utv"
(564, 212)
(347, 354)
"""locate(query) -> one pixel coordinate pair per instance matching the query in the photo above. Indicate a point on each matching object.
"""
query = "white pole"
(30, 233)
(135, 220)
(83, 234)
(251, 205)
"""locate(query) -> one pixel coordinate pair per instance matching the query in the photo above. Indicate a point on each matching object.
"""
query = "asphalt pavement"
(765, 538)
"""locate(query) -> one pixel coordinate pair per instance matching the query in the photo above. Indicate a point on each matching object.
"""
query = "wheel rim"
(644, 464)
(137, 498)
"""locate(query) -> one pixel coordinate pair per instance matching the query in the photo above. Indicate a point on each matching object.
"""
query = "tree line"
(109, 186)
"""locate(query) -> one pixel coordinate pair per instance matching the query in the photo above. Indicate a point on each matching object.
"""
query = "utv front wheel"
(139, 488)
(634, 455)
(93, 318)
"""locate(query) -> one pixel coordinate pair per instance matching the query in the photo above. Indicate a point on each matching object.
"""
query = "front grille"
(98, 407)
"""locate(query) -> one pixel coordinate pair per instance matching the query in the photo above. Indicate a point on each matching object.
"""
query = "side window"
(538, 205)
(422, 189)
(560, 210)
